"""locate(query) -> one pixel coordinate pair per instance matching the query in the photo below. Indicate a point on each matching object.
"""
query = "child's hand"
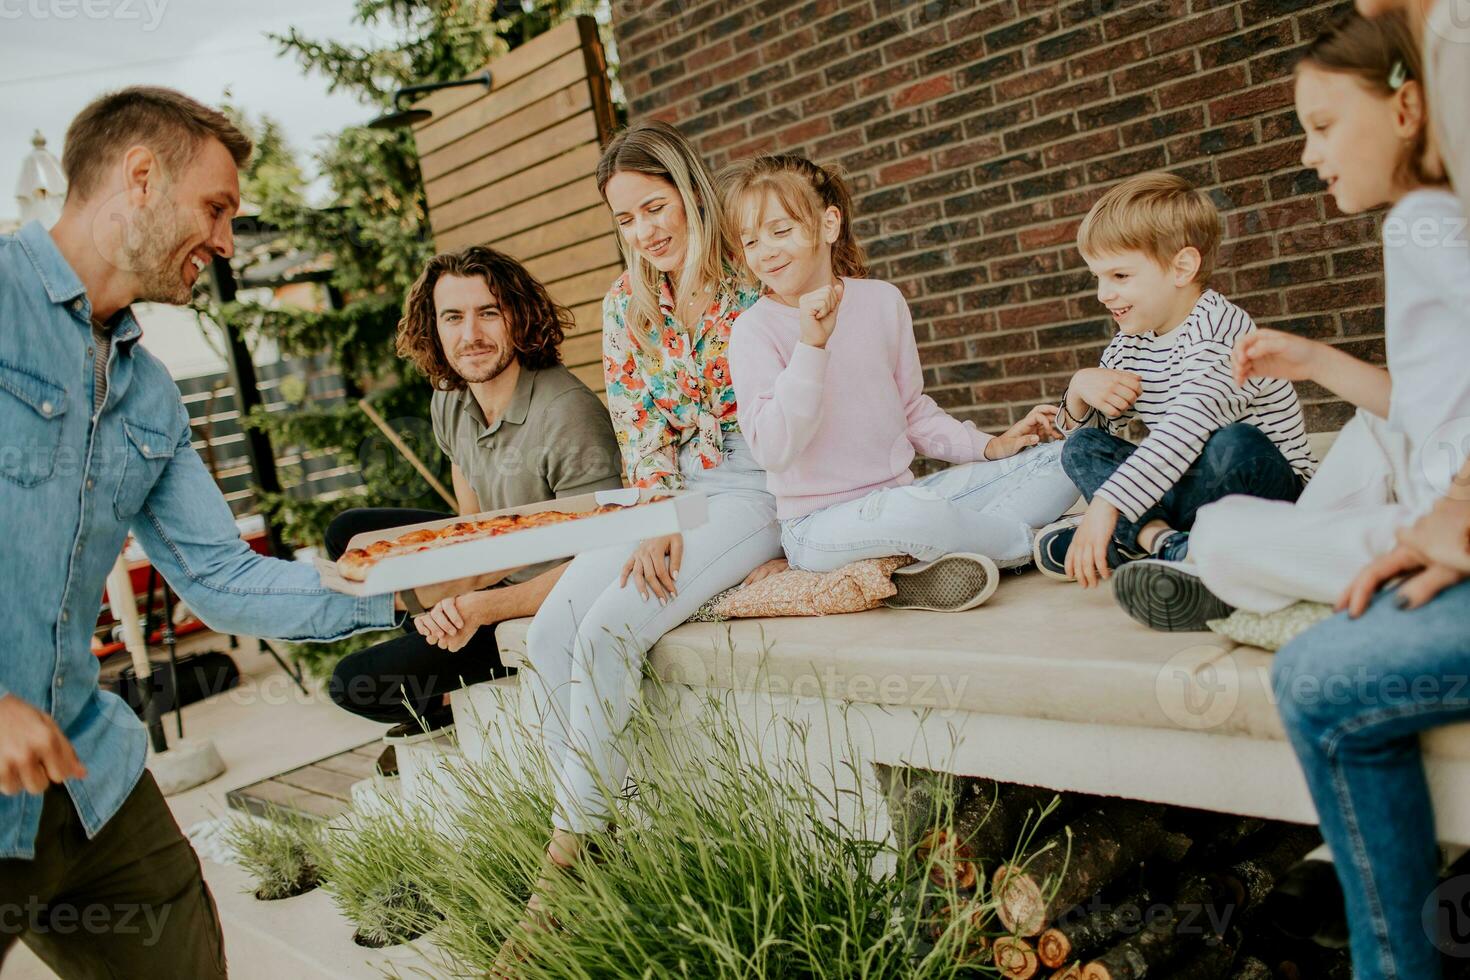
(1087, 556)
(773, 567)
(1265, 353)
(1110, 392)
(819, 314)
(1039, 425)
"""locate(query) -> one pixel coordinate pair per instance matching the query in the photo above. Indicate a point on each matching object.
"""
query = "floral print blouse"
(672, 389)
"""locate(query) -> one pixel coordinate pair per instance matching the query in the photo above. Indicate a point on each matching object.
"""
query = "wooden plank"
(592, 224)
(564, 136)
(597, 83)
(585, 349)
(506, 69)
(499, 225)
(260, 798)
(586, 287)
(321, 780)
(579, 164)
(495, 105)
(351, 764)
(588, 317)
(567, 262)
(523, 124)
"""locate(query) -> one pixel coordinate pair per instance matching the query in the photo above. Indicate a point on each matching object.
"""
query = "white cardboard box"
(680, 512)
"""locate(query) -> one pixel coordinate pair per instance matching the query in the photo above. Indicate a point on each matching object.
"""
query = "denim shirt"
(72, 483)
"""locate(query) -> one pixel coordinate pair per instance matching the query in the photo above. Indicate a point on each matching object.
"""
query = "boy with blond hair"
(1151, 241)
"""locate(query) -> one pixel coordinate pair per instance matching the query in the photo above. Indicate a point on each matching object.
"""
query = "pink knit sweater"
(834, 424)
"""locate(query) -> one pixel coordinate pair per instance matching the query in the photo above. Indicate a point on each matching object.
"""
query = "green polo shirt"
(554, 439)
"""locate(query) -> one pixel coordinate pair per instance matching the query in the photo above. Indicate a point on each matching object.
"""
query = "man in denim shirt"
(95, 875)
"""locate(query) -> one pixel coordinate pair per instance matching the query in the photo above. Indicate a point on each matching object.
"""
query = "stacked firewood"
(1024, 882)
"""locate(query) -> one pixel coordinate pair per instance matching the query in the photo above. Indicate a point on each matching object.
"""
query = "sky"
(56, 55)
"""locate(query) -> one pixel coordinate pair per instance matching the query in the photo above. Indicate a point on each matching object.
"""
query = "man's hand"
(1110, 392)
(819, 314)
(33, 752)
(1087, 556)
(1265, 353)
(1039, 425)
(1425, 580)
(454, 621)
(773, 567)
(654, 565)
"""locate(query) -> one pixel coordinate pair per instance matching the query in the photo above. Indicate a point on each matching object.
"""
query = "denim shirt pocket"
(145, 454)
(32, 407)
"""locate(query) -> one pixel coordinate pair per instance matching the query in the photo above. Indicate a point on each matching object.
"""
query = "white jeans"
(990, 508)
(588, 641)
(1264, 555)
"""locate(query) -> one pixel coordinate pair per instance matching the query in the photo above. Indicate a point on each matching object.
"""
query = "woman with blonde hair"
(666, 327)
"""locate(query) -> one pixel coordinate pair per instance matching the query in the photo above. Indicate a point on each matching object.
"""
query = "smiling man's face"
(473, 331)
(183, 222)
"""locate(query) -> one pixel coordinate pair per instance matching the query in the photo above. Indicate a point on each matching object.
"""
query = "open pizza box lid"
(528, 546)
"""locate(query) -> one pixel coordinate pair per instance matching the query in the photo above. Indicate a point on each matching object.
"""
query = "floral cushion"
(1271, 631)
(852, 588)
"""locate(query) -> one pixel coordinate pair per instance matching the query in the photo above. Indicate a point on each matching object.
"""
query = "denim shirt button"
(46, 408)
(65, 615)
(90, 483)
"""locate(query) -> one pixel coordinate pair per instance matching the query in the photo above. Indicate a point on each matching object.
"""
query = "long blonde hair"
(804, 190)
(659, 150)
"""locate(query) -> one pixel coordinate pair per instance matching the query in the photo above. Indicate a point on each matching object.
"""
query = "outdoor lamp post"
(400, 116)
(41, 187)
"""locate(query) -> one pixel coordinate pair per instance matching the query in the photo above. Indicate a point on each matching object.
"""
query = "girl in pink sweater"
(831, 401)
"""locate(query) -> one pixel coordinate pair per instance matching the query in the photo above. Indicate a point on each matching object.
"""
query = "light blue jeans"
(588, 642)
(1355, 696)
(990, 508)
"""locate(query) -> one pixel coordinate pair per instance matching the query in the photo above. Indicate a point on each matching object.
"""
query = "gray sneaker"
(1167, 595)
(950, 583)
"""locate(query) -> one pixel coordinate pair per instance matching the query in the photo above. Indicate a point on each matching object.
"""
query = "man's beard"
(149, 249)
(476, 376)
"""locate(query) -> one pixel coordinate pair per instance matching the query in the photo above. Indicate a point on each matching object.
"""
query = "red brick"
(907, 170)
(934, 88)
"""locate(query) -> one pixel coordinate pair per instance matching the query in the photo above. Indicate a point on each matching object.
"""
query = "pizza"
(355, 564)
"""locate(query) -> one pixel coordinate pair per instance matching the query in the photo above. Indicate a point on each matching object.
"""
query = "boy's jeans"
(1238, 458)
(1354, 696)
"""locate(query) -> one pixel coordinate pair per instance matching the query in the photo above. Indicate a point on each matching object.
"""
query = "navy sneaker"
(1049, 550)
(1172, 546)
(1167, 595)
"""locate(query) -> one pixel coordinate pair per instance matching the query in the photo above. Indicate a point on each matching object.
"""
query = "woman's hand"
(1039, 425)
(1265, 353)
(1442, 536)
(1425, 580)
(819, 314)
(773, 567)
(654, 565)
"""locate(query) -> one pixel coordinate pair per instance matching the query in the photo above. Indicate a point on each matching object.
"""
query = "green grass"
(284, 853)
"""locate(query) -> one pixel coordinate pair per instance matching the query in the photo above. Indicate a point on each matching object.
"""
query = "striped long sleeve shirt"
(1188, 394)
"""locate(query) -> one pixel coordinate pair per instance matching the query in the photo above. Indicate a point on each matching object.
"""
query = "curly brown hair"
(537, 322)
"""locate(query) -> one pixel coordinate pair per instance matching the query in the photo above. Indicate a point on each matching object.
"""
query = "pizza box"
(680, 512)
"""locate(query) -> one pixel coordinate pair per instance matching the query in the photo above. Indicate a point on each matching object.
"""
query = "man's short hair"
(172, 125)
(1158, 214)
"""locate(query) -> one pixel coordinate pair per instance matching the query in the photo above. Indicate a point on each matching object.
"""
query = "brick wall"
(977, 134)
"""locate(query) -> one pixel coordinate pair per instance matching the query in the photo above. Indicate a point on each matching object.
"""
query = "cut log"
(1075, 937)
(1074, 863)
(950, 863)
(1266, 858)
(1073, 972)
(1015, 958)
(1146, 954)
(1213, 962)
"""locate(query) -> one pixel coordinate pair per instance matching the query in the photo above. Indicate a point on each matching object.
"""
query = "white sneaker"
(950, 583)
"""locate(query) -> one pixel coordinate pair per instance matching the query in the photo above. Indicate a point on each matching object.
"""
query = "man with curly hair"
(519, 428)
